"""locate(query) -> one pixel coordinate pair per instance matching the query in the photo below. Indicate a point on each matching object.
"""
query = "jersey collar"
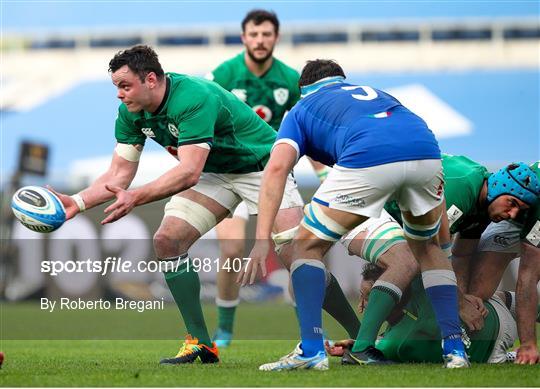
(165, 96)
(312, 88)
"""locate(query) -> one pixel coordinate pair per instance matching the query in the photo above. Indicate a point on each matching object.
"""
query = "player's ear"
(151, 79)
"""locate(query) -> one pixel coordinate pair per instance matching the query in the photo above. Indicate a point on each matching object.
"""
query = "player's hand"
(125, 202)
(338, 348)
(478, 303)
(527, 354)
(258, 260)
(471, 315)
(69, 204)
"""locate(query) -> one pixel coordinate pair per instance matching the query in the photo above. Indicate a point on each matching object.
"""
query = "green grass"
(134, 363)
(33, 360)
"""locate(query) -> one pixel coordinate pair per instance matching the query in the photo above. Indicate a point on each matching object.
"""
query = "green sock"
(226, 318)
(337, 305)
(185, 288)
(381, 302)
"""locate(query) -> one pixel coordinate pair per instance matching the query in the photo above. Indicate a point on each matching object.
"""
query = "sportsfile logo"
(119, 265)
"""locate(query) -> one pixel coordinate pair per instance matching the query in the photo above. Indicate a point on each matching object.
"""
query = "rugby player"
(222, 147)
(270, 87)
(378, 149)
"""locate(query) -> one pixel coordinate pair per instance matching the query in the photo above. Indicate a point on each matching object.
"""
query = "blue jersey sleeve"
(290, 132)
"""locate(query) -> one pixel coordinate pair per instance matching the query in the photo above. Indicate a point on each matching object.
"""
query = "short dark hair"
(318, 69)
(259, 16)
(140, 59)
(371, 272)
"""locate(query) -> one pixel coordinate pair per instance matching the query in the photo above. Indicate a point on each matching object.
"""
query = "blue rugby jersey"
(355, 127)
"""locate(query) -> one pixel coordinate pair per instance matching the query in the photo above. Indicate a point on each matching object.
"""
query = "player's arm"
(122, 170)
(282, 161)
(526, 303)
(471, 309)
(183, 176)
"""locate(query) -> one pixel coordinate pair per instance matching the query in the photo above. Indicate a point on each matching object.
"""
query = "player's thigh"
(231, 233)
(420, 197)
(360, 191)
(374, 237)
(507, 333)
(248, 186)
(188, 216)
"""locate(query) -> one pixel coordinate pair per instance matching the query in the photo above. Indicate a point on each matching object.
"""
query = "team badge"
(173, 130)
(281, 95)
(264, 112)
(240, 93)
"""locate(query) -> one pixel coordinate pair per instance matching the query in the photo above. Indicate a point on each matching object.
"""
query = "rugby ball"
(38, 209)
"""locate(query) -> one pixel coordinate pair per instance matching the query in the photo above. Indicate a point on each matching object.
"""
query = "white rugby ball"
(38, 209)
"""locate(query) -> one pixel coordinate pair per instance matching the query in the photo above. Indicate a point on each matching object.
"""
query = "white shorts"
(502, 237)
(507, 331)
(416, 185)
(230, 190)
(241, 211)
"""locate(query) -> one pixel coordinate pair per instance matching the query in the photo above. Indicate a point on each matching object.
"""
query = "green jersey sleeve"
(125, 130)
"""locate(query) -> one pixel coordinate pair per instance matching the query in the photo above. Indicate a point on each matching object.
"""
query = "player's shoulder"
(462, 166)
(289, 72)
(187, 91)
(230, 65)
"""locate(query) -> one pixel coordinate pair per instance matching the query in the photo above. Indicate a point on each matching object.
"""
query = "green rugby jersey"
(270, 95)
(531, 228)
(463, 182)
(417, 338)
(195, 110)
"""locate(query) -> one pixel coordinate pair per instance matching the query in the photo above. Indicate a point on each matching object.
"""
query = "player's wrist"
(77, 198)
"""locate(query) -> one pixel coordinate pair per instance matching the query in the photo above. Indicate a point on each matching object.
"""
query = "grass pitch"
(134, 363)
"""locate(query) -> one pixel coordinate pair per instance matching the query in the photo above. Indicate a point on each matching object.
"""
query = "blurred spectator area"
(422, 32)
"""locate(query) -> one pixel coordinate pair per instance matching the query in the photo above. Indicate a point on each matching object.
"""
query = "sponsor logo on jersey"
(454, 213)
(240, 93)
(148, 132)
(264, 112)
(349, 200)
(281, 95)
(501, 240)
(173, 130)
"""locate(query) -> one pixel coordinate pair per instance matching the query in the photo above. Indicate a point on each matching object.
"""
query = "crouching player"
(414, 336)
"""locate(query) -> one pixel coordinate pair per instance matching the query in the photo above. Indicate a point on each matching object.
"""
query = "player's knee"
(232, 248)
(164, 241)
(321, 225)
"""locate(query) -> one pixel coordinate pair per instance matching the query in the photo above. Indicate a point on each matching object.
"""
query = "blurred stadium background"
(469, 68)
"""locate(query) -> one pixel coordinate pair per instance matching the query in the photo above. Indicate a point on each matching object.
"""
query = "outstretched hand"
(257, 260)
(125, 202)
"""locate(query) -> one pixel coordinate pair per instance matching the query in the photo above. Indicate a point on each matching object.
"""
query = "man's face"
(259, 40)
(132, 92)
(505, 207)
